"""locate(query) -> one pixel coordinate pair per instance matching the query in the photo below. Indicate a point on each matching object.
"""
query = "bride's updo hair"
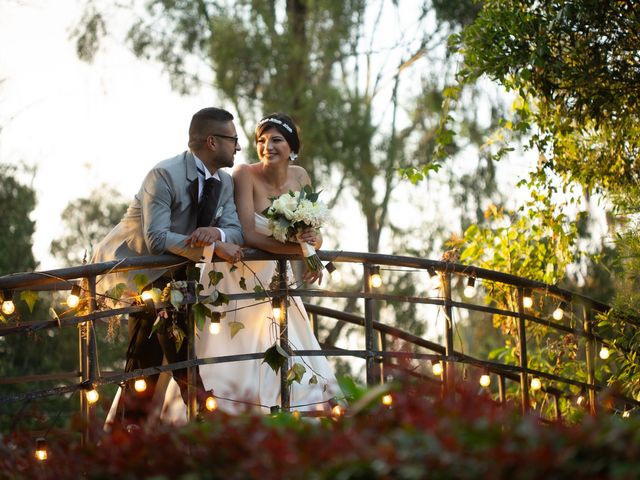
(285, 125)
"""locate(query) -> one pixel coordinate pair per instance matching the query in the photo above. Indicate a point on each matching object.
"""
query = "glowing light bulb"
(211, 403)
(485, 380)
(8, 307)
(626, 414)
(146, 295)
(277, 312)
(140, 385)
(536, 384)
(214, 327)
(74, 297)
(604, 353)
(337, 411)
(387, 399)
(580, 399)
(41, 452)
(558, 313)
(437, 368)
(470, 289)
(375, 280)
(92, 395)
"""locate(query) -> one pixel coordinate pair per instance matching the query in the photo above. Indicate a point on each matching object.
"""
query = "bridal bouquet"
(292, 212)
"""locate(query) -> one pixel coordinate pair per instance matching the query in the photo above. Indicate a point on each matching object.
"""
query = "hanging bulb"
(214, 326)
(147, 295)
(626, 414)
(375, 280)
(437, 368)
(485, 380)
(92, 395)
(74, 297)
(470, 289)
(536, 384)
(558, 313)
(330, 268)
(211, 403)
(140, 385)
(387, 399)
(580, 400)
(276, 307)
(604, 353)
(41, 452)
(7, 302)
(527, 299)
(434, 279)
(336, 409)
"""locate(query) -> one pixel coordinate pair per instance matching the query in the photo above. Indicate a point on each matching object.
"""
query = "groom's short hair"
(204, 122)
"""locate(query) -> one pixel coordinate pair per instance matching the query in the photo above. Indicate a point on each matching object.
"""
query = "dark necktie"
(208, 201)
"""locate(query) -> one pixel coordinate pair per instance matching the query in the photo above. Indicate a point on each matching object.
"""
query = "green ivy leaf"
(3, 319)
(275, 357)
(233, 268)
(115, 293)
(178, 335)
(176, 298)
(235, 327)
(141, 281)
(193, 272)
(215, 277)
(295, 373)
(242, 283)
(222, 299)
(260, 291)
(30, 298)
(200, 314)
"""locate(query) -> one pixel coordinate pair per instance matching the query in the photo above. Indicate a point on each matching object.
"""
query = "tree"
(87, 221)
(18, 201)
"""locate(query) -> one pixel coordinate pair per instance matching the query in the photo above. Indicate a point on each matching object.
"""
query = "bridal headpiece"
(284, 124)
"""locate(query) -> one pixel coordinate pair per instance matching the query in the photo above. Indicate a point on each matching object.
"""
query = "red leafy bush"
(418, 437)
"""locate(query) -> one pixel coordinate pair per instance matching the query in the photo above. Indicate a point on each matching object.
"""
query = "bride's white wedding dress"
(250, 383)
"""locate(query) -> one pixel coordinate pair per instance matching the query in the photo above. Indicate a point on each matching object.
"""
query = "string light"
(536, 384)
(558, 313)
(580, 400)
(214, 326)
(604, 353)
(211, 403)
(336, 409)
(74, 297)
(433, 281)
(7, 302)
(387, 400)
(147, 295)
(437, 368)
(485, 380)
(470, 289)
(626, 414)
(140, 385)
(375, 280)
(527, 300)
(41, 452)
(276, 306)
(92, 395)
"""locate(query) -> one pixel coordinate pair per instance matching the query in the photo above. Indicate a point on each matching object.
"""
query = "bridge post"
(285, 399)
(192, 381)
(91, 358)
(590, 352)
(522, 337)
(369, 313)
(449, 380)
(83, 366)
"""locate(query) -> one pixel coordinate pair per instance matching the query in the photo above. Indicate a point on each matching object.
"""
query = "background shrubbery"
(418, 437)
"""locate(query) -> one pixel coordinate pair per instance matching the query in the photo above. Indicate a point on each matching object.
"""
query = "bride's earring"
(293, 157)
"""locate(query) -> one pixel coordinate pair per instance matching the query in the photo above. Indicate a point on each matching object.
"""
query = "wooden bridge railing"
(373, 353)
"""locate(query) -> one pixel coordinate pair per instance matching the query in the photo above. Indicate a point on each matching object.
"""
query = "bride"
(250, 384)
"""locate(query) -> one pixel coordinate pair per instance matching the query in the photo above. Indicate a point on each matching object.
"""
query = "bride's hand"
(230, 252)
(312, 237)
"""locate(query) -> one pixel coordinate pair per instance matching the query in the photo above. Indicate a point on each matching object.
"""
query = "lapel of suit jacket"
(192, 186)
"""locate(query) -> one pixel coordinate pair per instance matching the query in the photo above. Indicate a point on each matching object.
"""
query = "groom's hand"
(203, 236)
(230, 252)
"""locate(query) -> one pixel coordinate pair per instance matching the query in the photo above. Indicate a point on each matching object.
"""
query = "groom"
(185, 206)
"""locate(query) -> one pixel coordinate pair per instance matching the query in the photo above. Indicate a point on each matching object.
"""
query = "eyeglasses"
(234, 138)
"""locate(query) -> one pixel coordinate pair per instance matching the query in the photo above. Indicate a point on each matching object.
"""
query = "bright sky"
(82, 125)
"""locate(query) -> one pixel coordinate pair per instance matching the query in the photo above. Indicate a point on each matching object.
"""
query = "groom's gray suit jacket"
(161, 216)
